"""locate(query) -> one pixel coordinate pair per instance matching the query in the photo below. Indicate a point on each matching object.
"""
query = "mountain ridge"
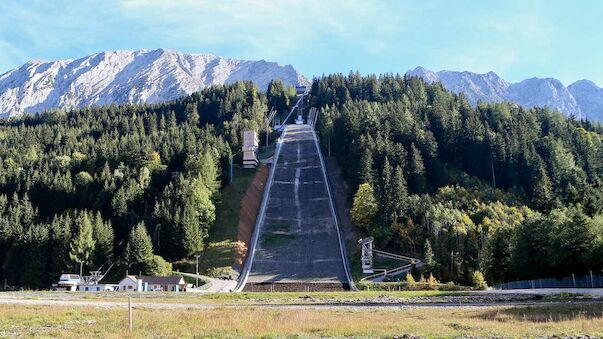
(581, 99)
(122, 76)
(151, 76)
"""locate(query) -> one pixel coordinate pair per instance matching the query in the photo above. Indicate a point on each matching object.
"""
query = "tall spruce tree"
(83, 244)
(400, 193)
(428, 257)
(192, 114)
(59, 245)
(417, 170)
(103, 235)
(184, 213)
(386, 193)
(277, 95)
(542, 189)
(365, 171)
(138, 256)
(34, 257)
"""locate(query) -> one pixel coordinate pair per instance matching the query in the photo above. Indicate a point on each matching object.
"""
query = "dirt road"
(383, 302)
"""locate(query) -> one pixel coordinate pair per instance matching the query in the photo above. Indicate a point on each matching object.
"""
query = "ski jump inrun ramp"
(297, 244)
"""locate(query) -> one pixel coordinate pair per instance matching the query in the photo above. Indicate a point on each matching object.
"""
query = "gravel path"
(384, 302)
(340, 306)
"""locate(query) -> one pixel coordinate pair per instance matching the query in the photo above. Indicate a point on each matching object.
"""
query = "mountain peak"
(581, 99)
(427, 75)
(123, 76)
(475, 86)
(584, 82)
(589, 97)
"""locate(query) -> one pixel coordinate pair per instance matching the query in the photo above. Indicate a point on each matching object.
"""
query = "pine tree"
(192, 115)
(387, 197)
(571, 241)
(138, 256)
(497, 257)
(365, 172)
(34, 256)
(103, 235)
(277, 95)
(417, 170)
(400, 193)
(59, 245)
(184, 212)
(542, 189)
(204, 169)
(82, 244)
(428, 257)
(190, 238)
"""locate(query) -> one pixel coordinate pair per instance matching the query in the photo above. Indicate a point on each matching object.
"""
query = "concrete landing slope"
(297, 237)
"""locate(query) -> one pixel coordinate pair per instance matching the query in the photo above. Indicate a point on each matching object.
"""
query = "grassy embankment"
(218, 256)
(66, 322)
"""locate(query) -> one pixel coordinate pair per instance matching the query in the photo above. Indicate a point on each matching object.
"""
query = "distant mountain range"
(582, 99)
(150, 76)
(127, 77)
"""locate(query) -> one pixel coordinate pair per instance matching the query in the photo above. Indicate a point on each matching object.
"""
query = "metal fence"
(586, 281)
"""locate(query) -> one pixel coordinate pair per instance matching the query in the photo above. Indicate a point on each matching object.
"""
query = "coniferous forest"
(514, 193)
(133, 185)
(511, 192)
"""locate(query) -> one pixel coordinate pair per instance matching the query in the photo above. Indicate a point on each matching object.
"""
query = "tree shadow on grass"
(548, 313)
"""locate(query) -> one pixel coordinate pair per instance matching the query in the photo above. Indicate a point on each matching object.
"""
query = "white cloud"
(270, 29)
(10, 56)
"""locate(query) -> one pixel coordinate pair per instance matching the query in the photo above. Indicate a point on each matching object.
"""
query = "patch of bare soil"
(250, 206)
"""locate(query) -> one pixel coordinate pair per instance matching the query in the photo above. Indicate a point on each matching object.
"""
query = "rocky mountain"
(127, 77)
(477, 87)
(582, 99)
(547, 92)
(589, 98)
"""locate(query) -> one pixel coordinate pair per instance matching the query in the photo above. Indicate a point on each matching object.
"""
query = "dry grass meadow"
(519, 321)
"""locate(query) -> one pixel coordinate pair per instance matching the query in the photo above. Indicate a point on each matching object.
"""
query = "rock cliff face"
(127, 77)
(582, 99)
(589, 98)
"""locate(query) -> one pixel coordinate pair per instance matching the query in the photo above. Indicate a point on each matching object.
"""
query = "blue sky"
(516, 39)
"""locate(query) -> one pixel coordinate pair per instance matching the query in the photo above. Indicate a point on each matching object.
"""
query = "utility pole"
(197, 271)
(574, 279)
(230, 177)
(493, 175)
(269, 119)
(130, 313)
